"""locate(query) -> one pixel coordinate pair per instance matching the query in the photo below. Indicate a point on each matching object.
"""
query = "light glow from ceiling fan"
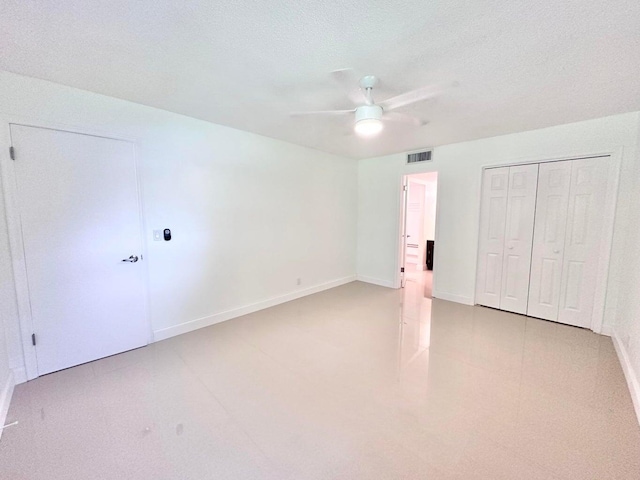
(368, 127)
(368, 120)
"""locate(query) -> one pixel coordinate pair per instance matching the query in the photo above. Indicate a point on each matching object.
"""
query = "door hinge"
(33, 339)
(401, 269)
(12, 153)
(405, 188)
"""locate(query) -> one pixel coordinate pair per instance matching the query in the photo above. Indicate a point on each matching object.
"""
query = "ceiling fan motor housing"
(368, 112)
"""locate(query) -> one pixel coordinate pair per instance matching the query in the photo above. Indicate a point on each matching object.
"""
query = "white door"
(403, 241)
(415, 226)
(78, 204)
(518, 239)
(548, 240)
(582, 240)
(493, 212)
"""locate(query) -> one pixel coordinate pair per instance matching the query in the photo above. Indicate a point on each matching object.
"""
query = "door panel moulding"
(609, 209)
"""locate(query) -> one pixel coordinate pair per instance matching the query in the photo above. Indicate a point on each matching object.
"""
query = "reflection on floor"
(421, 280)
(358, 382)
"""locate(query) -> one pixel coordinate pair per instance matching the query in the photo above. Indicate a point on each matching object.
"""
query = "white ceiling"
(520, 64)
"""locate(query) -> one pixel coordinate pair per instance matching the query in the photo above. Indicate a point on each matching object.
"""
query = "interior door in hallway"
(80, 218)
(415, 225)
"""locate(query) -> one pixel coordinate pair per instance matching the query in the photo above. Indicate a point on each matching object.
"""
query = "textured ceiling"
(520, 64)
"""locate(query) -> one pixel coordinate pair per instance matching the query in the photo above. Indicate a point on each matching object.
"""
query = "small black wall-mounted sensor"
(167, 234)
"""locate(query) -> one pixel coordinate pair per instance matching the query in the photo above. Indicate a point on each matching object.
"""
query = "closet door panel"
(516, 265)
(493, 209)
(582, 243)
(552, 201)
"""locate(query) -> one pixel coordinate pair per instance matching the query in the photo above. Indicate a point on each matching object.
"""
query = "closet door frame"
(604, 254)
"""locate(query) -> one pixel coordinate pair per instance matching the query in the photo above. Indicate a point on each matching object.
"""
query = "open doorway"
(419, 227)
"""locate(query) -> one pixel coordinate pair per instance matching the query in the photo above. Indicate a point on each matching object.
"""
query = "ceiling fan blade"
(322, 112)
(414, 96)
(403, 118)
(348, 79)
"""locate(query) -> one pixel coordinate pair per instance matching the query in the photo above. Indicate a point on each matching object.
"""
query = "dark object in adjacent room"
(429, 256)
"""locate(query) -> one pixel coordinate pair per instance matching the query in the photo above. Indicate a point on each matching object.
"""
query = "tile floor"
(424, 277)
(358, 382)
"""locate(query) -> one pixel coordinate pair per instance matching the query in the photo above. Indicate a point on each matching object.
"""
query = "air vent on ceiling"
(419, 157)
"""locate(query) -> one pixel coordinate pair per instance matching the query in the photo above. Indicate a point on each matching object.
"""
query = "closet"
(541, 228)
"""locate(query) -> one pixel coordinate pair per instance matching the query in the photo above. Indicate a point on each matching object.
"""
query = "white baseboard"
(632, 378)
(375, 281)
(451, 297)
(238, 312)
(5, 399)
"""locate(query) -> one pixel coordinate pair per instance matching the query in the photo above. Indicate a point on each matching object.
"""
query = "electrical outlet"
(299, 281)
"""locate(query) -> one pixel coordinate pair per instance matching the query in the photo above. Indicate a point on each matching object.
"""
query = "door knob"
(132, 259)
(556, 251)
(510, 247)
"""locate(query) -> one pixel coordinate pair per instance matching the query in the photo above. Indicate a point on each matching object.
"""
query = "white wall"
(8, 315)
(626, 332)
(459, 180)
(249, 214)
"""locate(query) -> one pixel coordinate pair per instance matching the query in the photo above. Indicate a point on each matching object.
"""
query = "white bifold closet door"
(567, 240)
(540, 239)
(506, 236)
(518, 239)
(548, 239)
(493, 217)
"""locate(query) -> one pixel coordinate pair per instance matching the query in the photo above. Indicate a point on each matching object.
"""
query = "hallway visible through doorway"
(418, 239)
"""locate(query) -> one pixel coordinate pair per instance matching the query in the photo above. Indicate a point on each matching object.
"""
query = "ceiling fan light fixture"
(370, 116)
(368, 127)
(368, 120)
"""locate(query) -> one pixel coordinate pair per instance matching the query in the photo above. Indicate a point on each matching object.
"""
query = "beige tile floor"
(358, 382)
(424, 277)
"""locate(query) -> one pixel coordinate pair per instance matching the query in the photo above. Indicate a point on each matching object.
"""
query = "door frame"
(399, 248)
(611, 200)
(403, 232)
(16, 244)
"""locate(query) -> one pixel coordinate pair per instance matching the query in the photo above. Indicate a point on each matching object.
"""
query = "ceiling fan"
(370, 115)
